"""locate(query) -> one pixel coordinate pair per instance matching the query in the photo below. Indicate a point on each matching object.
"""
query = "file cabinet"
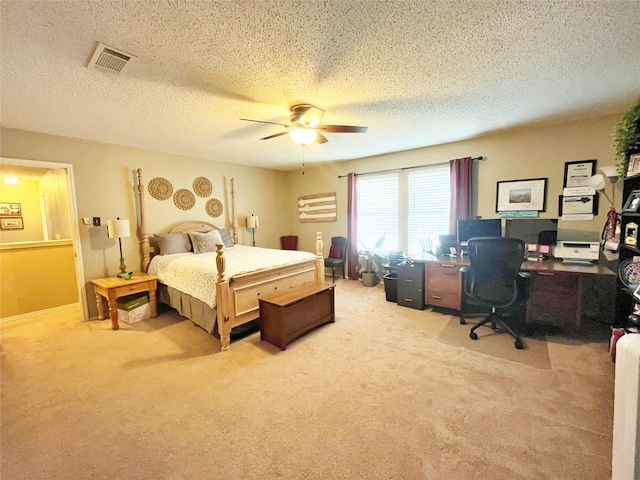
(411, 285)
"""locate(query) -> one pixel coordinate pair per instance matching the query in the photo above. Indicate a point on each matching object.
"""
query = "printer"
(577, 252)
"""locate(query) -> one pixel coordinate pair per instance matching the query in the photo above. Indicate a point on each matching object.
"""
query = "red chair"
(289, 242)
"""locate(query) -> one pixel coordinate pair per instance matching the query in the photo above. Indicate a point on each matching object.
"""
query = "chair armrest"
(465, 269)
(524, 274)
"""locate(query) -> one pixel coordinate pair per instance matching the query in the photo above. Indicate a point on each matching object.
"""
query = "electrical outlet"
(96, 221)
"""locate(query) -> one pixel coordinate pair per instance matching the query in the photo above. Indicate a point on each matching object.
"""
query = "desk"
(555, 290)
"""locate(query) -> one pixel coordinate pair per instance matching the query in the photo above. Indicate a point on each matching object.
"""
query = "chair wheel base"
(473, 336)
(462, 321)
(519, 345)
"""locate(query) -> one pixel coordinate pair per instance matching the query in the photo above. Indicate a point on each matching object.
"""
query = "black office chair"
(494, 281)
(337, 256)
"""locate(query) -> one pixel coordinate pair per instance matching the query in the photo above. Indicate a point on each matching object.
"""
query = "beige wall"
(532, 152)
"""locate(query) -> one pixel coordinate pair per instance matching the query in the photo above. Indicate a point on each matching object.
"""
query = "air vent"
(109, 59)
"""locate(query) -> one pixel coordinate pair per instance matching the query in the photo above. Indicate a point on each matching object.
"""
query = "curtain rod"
(409, 168)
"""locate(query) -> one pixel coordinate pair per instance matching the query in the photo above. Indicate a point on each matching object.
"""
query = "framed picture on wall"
(10, 210)
(578, 173)
(634, 165)
(11, 223)
(521, 195)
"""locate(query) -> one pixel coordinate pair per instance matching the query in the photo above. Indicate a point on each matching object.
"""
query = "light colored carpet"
(373, 396)
(497, 343)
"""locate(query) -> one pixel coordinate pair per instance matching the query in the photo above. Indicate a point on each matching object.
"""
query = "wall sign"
(317, 208)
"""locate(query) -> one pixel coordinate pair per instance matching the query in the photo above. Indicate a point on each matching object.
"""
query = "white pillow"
(205, 242)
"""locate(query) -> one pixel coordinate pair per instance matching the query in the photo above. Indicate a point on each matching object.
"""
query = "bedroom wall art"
(317, 208)
(213, 207)
(202, 187)
(184, 199)
(160, 188)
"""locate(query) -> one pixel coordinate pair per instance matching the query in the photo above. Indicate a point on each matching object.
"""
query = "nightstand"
(113, 288)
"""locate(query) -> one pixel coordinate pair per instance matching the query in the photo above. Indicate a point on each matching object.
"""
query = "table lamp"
(252, 223)
(117, 229)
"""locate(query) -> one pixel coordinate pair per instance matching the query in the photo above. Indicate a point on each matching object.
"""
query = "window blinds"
(378, 211)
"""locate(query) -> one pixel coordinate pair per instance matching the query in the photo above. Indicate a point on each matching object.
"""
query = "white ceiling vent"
(109, 59)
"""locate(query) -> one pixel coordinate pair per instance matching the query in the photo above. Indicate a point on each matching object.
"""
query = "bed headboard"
(184, 227)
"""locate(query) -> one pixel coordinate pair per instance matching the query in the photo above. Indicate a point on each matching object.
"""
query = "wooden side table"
(113, 288)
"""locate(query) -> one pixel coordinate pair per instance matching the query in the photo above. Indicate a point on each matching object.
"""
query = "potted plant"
(627, 137)
(370, 263)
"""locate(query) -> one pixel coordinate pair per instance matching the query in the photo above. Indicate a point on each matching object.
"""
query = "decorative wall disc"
(184, 199)
(160, 188)
(202, 186)
(214, 207)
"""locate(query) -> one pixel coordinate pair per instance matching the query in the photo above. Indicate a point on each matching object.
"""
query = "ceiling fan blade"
(321, 138)
(262, 121)
(274, 135)
(341, 128)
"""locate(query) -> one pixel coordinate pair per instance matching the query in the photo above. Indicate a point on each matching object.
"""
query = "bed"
(218, 288)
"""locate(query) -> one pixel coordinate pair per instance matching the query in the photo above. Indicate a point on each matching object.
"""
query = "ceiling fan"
(305, 125)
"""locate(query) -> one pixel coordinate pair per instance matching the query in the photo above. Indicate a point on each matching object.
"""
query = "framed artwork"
(580, 205)
(10, 210)
(11, 223)
(634, 165)
(578, 173)
(632, 205)
(527, 194)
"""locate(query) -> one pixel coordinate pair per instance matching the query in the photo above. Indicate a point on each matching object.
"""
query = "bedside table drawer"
(133, 288)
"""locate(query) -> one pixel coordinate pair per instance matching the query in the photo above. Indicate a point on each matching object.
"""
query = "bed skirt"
(195, 310)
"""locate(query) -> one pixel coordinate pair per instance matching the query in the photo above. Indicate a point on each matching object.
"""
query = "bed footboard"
(237, 299)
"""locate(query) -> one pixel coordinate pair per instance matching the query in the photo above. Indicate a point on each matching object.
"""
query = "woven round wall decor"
(184, 199)
(214, 207)
(160, 188)
(202, 186)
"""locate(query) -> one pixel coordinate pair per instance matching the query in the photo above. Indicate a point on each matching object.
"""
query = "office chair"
(494, 281)
(337, 256)
(289, 242)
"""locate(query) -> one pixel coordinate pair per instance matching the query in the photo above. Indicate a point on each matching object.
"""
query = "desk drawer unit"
(411, 285)
(555, 298)
(443, 285)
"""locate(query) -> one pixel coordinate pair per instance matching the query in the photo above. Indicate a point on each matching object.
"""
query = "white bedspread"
(196, 274)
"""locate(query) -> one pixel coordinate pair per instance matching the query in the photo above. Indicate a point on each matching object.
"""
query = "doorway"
(63, 172)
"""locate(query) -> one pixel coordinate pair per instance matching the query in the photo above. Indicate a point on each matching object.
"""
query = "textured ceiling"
(417, 73)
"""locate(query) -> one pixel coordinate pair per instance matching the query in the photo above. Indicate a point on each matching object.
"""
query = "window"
(378, 211)
(429, 198)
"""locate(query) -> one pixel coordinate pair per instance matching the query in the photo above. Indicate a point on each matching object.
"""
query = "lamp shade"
(597, 182)
(252, 222)
(303, 136)
(118, 228)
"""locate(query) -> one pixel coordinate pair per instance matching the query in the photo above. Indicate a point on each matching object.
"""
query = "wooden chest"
(287, 315)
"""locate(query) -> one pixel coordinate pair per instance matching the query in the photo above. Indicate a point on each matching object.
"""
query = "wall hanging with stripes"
(317, 208)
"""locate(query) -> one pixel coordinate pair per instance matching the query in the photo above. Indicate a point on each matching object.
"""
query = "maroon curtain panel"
(461, 190)
(352, 217)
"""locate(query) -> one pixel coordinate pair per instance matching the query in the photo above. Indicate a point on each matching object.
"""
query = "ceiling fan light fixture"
(303, 136)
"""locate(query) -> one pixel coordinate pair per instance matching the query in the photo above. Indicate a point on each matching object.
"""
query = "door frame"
(73, 209)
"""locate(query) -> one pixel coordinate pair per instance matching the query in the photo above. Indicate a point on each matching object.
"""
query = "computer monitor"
(533, 231)
(478, 227)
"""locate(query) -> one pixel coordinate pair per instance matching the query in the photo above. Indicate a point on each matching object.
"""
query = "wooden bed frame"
(237, 298)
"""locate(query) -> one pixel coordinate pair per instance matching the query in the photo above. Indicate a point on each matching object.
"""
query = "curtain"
(352, 217)
(461, 191)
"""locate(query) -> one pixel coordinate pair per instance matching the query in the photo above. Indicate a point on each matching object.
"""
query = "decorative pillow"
(334, 251)
(205, 242)
(226, 238)
(169, 243)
